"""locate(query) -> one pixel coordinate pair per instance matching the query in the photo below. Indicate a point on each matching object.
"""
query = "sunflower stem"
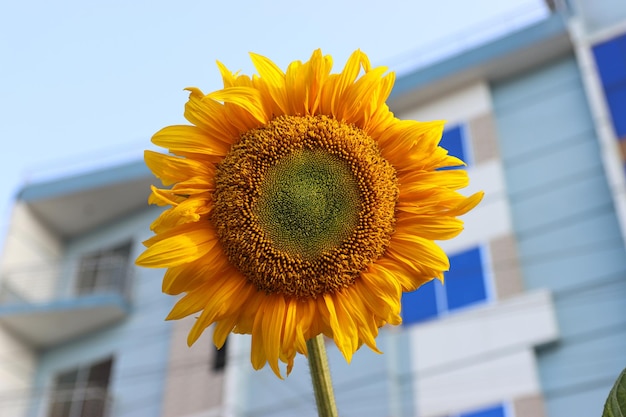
(320, 374)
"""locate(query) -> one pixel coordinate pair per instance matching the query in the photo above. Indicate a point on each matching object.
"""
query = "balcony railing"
(49, 306)
(99, 275)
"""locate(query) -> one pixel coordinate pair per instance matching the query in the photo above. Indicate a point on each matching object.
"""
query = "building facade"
(81, 328)
(530, 322)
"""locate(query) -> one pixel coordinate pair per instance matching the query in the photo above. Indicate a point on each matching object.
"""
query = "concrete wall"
(31, 257)
(192, 386)
(29, 269)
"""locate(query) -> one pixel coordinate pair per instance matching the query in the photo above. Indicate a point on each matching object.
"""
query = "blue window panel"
(611, 61)
(420, 304)
(465, 282)
(616, 98)
(452, 140)
(497, 411)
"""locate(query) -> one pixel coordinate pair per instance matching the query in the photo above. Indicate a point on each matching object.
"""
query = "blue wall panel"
(568, 235)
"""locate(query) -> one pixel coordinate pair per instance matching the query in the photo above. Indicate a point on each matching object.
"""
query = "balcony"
(44, 308)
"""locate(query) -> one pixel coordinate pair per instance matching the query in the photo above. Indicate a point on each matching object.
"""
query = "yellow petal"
(346, 78)
(288, 340)
(295, 89)
(161, 197)
(257, 350)
(191, 303)
(356, 104)
(182, 246)
(468, 203)
(343, 328)
(273, 80)
(188, 211)
(209, 116)
(408, 279)
(215, 308)
(246, 98)
(222, 329)
(188, 276)
(430, 227)
(272, 325)
(417, 252)
(363, 317)
(171, 169)
(409, 136)
(189, 139)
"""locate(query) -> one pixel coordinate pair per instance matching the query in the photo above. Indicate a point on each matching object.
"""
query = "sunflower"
(299, 206)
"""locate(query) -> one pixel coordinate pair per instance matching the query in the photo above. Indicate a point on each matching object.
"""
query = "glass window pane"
(99, 374)
(81, 391)
(219, 360)
(497, 411)
(611, 61)
(419, 305)
(67, 379)
(63, 393)
(465, 282)
(60, 408)
(616, 98)
(452, 140)
(104, 270)
(93, 405)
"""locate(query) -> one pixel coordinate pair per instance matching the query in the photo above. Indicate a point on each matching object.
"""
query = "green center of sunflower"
(303, 204)
(309, 203)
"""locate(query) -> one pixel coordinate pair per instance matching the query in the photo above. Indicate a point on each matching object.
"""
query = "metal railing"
(98, 275)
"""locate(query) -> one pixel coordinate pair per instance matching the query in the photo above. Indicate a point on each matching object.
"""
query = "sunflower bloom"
(299, 205)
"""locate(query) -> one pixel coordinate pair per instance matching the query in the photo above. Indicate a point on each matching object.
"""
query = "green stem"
(320, 374)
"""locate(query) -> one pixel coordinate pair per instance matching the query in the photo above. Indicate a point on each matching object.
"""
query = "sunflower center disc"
(303, 204)
(309, 203)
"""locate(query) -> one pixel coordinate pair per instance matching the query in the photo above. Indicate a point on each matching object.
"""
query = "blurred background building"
(531, 321)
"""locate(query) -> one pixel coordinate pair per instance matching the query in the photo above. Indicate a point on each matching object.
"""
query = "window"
(219, 358)
(455, 141)
(105, 270)
(611, 62)
(465, 285)
(495, 411)
(82, 391)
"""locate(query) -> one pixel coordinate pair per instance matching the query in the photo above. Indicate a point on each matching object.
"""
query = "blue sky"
(86, 82)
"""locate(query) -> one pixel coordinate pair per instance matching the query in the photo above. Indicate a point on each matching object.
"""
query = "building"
(530, 322)
(81, 328)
